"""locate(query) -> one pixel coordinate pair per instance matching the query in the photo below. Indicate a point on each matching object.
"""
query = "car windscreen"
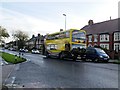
(100, 50)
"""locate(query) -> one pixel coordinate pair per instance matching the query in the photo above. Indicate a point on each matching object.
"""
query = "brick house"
(35, 42)
(104, 34)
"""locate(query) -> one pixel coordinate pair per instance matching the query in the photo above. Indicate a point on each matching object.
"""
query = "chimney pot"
(90, 22)
(110, 17)
(61, 30)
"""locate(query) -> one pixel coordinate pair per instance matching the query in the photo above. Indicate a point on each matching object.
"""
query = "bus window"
(56, 36)
(56, 47)
(48, 47)
(67, 34)
(49, 37)
(52, 47)
(62, 35)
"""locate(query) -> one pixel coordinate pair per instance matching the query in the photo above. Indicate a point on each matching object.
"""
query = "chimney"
(61, 30)
(90, 22)
(110, 17)
(33, 36)
(38, 35)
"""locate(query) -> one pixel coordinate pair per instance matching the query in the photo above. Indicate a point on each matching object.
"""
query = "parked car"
(35, 51)
(12, 49)
(23, 50)
(96, 54)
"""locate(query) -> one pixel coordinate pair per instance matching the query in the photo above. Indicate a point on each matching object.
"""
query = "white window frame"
(117, 36)
(90, 45)
(90, 38)
(117, 46)
(101, 37)
(104, 38)
(96, 38)
(105, 46)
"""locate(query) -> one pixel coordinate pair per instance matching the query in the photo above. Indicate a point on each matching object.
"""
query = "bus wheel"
(61, 56)
(83, 59)
(47, 55)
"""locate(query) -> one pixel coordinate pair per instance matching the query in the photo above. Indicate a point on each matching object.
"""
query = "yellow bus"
(61, 43)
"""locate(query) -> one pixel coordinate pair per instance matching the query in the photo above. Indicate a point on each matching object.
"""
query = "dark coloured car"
(12, 49)
(96, 54)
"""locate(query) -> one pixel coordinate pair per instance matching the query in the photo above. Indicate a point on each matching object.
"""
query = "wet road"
(38, 72)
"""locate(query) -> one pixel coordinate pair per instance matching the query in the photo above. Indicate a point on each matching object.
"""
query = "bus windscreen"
(78, 36)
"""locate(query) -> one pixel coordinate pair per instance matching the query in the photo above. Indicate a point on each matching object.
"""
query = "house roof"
(102, 27)
(34, 38)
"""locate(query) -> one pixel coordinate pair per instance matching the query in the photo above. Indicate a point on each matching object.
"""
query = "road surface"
(38, 72)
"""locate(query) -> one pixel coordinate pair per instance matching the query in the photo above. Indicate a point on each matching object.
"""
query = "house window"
(106, 46)
(104, 38)
(90, 38)
(117, 46)
(95, 38)
(117, 36)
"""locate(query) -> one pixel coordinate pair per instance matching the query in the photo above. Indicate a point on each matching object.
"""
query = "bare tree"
(21, 37)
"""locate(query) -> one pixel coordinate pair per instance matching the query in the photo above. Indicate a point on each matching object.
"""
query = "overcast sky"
(36, 16)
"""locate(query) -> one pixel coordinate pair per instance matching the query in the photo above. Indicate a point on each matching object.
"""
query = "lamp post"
(65, 20)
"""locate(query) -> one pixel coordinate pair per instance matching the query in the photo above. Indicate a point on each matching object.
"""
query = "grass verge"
(117, 62)
(11, 58)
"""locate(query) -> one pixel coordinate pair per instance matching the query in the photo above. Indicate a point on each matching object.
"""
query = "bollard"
(15, 58)
(19, 54)
(22, 54)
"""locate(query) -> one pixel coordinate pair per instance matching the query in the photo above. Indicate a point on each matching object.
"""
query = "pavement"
(6, 70)
(112, 61)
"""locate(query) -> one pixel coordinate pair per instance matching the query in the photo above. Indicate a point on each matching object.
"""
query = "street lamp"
(65, 20)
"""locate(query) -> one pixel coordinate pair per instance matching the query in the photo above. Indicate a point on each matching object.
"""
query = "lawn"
(11, 58)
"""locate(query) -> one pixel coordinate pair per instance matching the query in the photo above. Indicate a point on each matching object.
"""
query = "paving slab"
(6, 71)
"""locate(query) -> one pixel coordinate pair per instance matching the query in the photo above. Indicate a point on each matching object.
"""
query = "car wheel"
(93, 60)
(83, 59)
(74, 58)
(96, 60)
(106, 61)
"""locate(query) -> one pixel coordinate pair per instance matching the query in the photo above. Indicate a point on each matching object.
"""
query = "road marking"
(13, 80)
(11, 84)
